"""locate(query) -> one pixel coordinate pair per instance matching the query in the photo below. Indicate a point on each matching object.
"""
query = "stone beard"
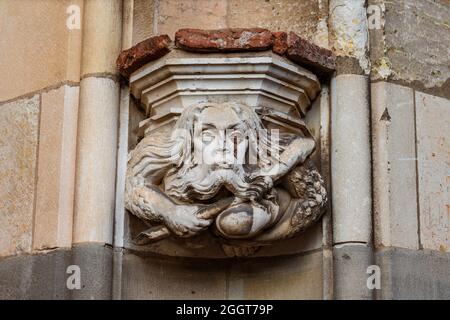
(222, 168)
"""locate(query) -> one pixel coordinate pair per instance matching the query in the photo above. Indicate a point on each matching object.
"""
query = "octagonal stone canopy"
(168, 85)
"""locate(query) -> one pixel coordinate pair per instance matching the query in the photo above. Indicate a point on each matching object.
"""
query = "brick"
(319, 60)
(148, 50)
(224, 40)
(280, 44)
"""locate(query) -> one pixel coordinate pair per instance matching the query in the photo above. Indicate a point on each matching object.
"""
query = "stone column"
(97, 145)
(351, 150)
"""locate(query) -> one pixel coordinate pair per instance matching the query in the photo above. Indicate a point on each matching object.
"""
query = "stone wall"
(66, 124)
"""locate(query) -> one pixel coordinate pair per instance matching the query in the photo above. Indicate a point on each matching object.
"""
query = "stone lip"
(146, 51)
(322, 61)
(297, 49)
(224, 40)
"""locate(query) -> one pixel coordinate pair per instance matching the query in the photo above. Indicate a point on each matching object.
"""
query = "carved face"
(216, 146)
(219, 137)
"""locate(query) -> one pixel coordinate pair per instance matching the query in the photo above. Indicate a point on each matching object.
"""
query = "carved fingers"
(184, 222)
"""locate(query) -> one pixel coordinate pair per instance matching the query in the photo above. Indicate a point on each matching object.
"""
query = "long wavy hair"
(171, 160)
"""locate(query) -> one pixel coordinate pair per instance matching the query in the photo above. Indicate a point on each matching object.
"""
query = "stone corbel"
(237, 91)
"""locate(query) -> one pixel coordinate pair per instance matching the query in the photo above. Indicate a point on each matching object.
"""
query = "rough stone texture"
(416, 41)
(37, 52)
(174, 14)
(433, 153)
(349, 30)
(280, 42)
(56, 169)
(148, 50)
(320, 60)
(44, 276)
(394, 166)
(41, 276)
(19, 122)
(306, 17)
(224, 40)
(350, 262)
(412, 274)
(153, 277)
(143, 20)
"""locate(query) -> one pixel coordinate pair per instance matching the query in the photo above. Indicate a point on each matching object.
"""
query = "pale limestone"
(394, 166)
(96, 160)
(350, 159)
(200, 14)
(143, 20)
(19, 122)
(102, 29)
(433, 153)
(37, 52)
(306, 17)
(56, 169)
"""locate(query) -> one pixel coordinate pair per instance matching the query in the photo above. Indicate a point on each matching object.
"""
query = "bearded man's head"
(212, 146)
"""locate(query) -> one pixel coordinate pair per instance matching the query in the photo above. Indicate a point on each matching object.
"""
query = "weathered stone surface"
(56, 169)
(394, 166)
(224, 40)
(288, 277)
(19, 122)
(350, 262)
(102, 31)
(143, 20)
(416, 41)
(305, 17)
(280, 44)
(44, 275)
(350, 159)
(148, 50)
(152, 277)
(175, 14)
(413, 274)
(36, 53)
(319, 60)
(433, 156)
(96, 160)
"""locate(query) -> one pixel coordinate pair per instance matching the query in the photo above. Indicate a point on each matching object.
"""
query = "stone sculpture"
(222, 171)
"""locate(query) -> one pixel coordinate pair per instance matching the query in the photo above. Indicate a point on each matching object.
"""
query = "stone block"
(433, 153)
(224, 40)
(319, 60)
(146, 51)
(175, 14)
(143, 20)
(351, 159)
(304, 17)
(19, 123)
(350, 263)
(394, 166)
(413, 274)
(36, 53)
(56, 169)
(102, 29)
(288, 277)
(96, 160)
(156, 277)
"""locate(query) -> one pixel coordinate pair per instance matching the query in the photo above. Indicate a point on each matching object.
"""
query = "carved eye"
(207, 136)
